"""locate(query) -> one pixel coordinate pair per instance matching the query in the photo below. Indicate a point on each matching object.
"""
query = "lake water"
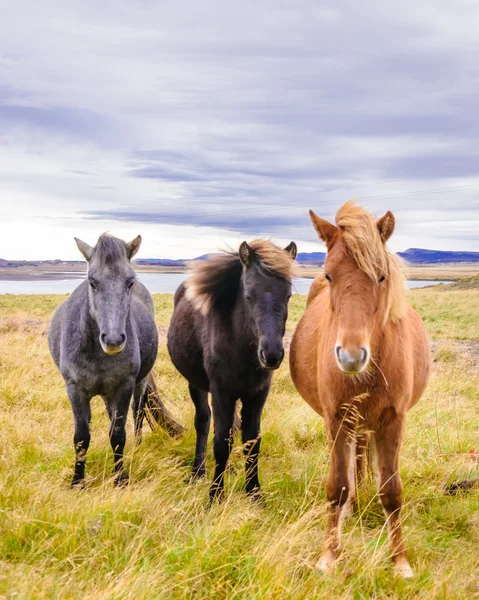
(155, 282)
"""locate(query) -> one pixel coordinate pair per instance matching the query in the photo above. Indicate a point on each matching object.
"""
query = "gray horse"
(104, 341)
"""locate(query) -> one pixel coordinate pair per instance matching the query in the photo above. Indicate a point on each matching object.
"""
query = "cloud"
(233, 119)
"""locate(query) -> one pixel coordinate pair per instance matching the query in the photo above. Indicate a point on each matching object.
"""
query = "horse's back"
(303, 356)
(185, 340)
(318, 285)
(180, 292)
(142, 294)
(65, 321)
(55, 333)
(420, 355)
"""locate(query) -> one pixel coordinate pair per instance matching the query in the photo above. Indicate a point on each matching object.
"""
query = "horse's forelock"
(110, 250)
(274, 259)
(360, 233)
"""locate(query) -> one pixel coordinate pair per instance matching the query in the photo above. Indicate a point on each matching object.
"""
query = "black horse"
(226, 337)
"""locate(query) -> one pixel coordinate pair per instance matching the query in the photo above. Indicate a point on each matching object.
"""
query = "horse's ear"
(325, 229)
(292, 250)
(84, 248)
(386, 226)
(134, 246)
(246, 255)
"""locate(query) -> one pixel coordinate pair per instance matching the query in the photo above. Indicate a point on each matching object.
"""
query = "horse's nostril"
(117, 339)
(338, 352)
(364, 355)
(262, 355)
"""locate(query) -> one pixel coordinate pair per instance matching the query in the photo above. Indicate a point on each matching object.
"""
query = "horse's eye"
(381, 279)
(92, 285)
(129, 285)
(328, 277)
(248, 297)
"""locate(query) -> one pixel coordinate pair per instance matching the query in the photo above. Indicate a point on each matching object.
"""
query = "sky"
(201, 124)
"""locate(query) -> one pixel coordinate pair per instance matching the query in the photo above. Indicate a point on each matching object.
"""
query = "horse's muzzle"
(270, 362)
(113, 344)
(351, 361)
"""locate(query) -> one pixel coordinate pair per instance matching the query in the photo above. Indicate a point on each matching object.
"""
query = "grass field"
(158, 539)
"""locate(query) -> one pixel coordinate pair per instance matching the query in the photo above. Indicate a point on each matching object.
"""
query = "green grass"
(448, 314)
(158, 539)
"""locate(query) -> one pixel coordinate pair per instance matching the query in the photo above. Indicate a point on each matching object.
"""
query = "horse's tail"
(156, 412)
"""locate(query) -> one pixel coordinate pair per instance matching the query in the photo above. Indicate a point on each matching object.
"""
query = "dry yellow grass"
(157, 539)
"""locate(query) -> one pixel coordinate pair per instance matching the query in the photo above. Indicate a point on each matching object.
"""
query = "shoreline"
(64, 276)
(412, 272)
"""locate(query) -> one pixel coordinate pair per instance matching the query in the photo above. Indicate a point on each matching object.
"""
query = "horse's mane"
(216, 281)
(110, 250)
(361, 236)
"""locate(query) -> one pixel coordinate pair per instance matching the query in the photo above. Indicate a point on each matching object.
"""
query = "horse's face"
(355, 301)
(355, 297)
(266, 297)
(110, 286)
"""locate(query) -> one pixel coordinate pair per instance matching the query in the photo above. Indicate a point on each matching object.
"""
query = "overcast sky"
(200, 124)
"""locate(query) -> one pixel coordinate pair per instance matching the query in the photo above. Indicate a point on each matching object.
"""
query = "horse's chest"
(239, 374)
(101, 373)
(362, 402)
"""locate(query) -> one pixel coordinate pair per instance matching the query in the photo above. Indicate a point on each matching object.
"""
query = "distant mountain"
(170, 262)
(412, 255)
(421, 255)
(311, 258)
(163, 262)
(14, 264)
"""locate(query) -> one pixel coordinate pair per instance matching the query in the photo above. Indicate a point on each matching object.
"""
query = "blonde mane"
(217, 279)
(360, 233)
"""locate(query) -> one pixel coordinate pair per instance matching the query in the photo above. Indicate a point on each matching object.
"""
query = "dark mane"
(216, 281)
(110, 250)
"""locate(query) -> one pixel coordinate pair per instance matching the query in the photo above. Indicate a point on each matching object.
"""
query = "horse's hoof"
(402, 568)
(255, 495)
(349, 508)
(77, 484)
(196, 476)
(121, 480)
(327, 562)
(216, 495)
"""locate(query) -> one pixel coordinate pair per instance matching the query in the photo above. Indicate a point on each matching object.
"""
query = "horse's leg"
(202, 426)
(139, 408)
(223, 414)
(120, 405)
(388, 444)
(337, 488)
(80, 403)
(251, 421)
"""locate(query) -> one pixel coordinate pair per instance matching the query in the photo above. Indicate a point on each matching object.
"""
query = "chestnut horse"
(360, 358)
